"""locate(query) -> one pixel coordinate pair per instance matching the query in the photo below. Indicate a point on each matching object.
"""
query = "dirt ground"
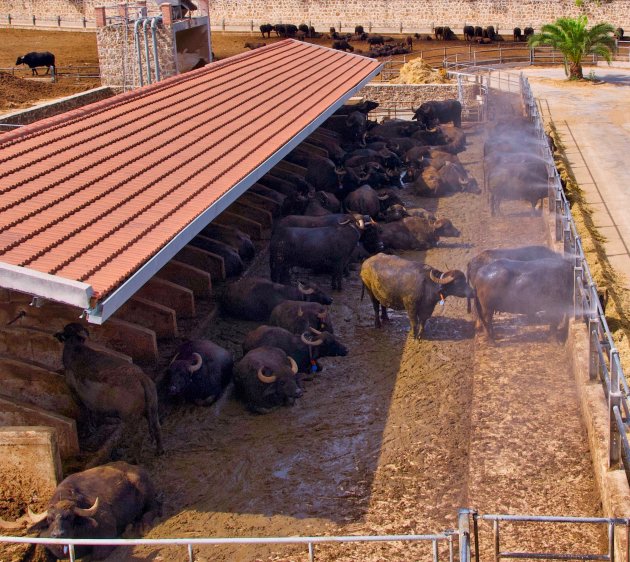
(394, 438)
(78, 49)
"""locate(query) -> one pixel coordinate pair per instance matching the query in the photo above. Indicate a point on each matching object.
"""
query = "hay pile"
(417, 71)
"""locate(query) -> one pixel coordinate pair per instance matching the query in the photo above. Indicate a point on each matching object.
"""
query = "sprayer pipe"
(136, 38)
(154, 22)
(146, 49)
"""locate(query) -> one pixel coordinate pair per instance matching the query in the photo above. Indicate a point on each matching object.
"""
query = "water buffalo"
(415, 233)
(469, 32)
(98, 503)
(527, 32)
(429, 181)
(297, 317)
(517, 34)
(364, 107)
(432, 113)
(524, 287)
(321, 203)
(524, 253)
(35, 60)
(376, 40)
(342, 45)
(107, 385)
(517, 183)
(365, 201)
(253, 298)
(232, 236)
(325, 248)
(231, 259)
(394, 282)
(265, 379)
(351, 127)
(266, 28)
(200, 372)
(305, 348)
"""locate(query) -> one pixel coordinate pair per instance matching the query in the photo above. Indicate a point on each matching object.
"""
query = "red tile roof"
(92, 195)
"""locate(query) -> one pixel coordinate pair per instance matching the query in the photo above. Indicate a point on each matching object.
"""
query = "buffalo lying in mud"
(265, 379)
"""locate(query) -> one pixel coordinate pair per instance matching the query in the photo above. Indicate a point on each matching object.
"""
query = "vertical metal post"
(614, 401)
(464, 535)
(496, 540)
(191, 558)
(476, 534)
(578, 305)
(71, 554)
(611, 541)
(567, 239)
(311, 552)
(593, 338)
(33, 20)
(450, 548)
(435, 550)
(401, 27)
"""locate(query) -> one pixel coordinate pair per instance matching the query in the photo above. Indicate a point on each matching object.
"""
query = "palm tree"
(572, 38)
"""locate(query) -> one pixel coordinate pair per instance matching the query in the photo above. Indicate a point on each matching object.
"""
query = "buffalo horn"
(340, 170)
(197, 364)
(320, 341)
(341, 223)
(316, 332)
(294, 366)
(439, 280)
(36, 517)
(383, 197)
(433, 130)
(264, 378)
(13, 524)
(304, 290)
(89, 512)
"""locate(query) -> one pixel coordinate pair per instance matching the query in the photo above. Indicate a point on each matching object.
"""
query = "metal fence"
(309, 542)
(470, 544)
(85, 72)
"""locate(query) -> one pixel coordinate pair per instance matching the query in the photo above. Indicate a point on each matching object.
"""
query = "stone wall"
(412, 15)
(118, 55)
(413, 95)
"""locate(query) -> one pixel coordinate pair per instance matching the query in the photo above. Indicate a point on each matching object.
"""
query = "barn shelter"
(96, 201)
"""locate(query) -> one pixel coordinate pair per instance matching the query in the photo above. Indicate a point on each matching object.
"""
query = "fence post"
(251, 26)
(593, 338)
(9, 18)
(223, 24)
(59, 21)
(567, 239)
(463, 521)
(84, 21)
(614, 440)
(578, 304)
(500, 55)
(370, 27)
(339, 27)
(33, 20)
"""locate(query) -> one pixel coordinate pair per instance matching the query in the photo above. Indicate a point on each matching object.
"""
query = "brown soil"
(77, 49)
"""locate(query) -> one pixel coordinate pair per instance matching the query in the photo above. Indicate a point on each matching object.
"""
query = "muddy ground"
(396, 437)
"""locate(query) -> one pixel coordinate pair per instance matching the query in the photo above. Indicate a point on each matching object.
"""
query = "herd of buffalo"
(339, 200)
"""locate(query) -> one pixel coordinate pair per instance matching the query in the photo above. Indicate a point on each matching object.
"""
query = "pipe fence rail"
(470, 545)
(189, 543)
(78, 72)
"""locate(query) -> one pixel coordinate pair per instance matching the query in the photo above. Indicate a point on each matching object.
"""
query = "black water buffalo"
(394, 282)
(35, 60)
(527, 32)
(108, 385)
(325, 248)
(306, 221)
(321, 203)
(266, 28)
(524, 287)
(200, 372)
(490, 33)
(352, 127)
(439, 32)
(524, 253)
(253, 298)
(305, 348)
(517, 183)
(342, 45)
(98, 503)
(619, 34)
(365, 201)
(432, 113)
(364, 107)
(265, 379)
(297, 317)
(469, 32)
(415, 233)
(253, 46)
(231, 259)
(232, 236)
(376, 40)
(517, 34)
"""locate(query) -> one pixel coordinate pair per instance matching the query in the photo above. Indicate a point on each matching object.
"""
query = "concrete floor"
(594, 123)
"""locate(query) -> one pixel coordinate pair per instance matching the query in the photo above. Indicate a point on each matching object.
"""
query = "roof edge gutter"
(103, 310)
(44, 285)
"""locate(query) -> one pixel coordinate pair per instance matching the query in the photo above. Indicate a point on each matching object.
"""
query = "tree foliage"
(575, 41)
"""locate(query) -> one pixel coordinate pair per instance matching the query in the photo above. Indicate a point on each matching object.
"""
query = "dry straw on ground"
(417, 71)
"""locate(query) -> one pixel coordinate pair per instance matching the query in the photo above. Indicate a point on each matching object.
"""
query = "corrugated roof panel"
(112, 184)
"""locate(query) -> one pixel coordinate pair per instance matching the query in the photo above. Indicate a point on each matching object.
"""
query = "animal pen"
(463, 542)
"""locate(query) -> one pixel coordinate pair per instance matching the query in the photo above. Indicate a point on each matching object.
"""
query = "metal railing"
(91, 71)
(604, 358)
(189, 543)
(470, 543)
